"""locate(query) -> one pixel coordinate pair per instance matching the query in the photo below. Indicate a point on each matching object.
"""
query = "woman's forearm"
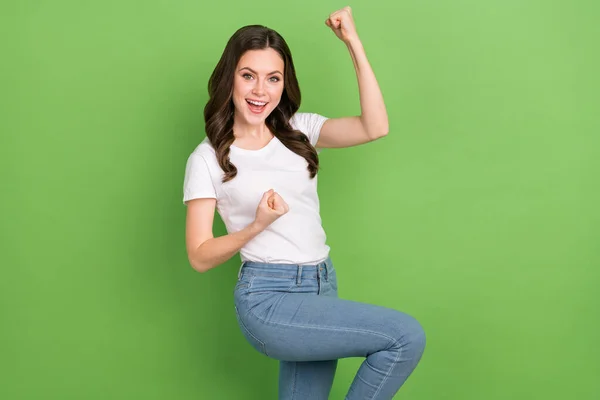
(219, 250)
(373, 112)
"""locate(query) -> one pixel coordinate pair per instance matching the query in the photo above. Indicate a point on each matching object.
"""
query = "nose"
(259, 89)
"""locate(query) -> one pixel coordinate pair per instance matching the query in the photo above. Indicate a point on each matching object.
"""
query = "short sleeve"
(197, 182)
(310, 124)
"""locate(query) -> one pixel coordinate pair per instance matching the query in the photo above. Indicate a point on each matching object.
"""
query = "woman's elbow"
(198, 266)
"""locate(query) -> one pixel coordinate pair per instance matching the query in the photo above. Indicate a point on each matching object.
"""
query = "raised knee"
(411, 334)
(417, 336)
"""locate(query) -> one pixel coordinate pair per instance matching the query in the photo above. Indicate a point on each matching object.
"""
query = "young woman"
(258, 167)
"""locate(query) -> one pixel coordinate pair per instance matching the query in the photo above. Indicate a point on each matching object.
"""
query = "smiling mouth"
(256, 106)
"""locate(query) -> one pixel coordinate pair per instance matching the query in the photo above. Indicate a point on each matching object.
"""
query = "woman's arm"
(204, 250)
(373, 122)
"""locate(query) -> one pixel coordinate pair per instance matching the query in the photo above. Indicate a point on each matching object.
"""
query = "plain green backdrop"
(478, 213)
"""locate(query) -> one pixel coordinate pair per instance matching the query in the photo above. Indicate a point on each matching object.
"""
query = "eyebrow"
(254, 72)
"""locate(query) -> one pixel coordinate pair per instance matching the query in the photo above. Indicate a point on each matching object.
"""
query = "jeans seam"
(372, 367)
(365, 382)
(262, 344)
(385, 378)
(322, 327)
(273, 275)
(249, 293)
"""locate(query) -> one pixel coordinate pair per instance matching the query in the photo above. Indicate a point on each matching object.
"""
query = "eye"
(246, 76)
(275, 79)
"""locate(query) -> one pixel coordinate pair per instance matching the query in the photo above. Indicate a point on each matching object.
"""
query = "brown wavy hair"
(219, 110)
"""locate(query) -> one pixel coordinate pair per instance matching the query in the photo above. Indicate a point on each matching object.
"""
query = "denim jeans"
(292, 313)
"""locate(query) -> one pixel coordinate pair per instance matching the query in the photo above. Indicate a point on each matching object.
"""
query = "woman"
(258, 166)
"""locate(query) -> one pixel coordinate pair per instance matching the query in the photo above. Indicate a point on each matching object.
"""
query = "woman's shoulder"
(308, 123)
(303, 118)
(204, 151)
(204, 148)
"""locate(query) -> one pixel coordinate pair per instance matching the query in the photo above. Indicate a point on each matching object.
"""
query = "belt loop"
(299, 276)
(240, 272)
(326, 271)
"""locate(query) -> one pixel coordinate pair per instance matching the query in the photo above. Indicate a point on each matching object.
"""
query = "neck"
(244, 130)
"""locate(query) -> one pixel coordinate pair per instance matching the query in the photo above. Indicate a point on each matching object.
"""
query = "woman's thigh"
(298, 324)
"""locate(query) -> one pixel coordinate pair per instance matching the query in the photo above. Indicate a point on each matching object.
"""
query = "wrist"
(353, 41)
(255, 228)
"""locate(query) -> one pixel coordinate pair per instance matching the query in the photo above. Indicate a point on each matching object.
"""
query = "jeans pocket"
(243, 283)
(253, 340)
(263, 284)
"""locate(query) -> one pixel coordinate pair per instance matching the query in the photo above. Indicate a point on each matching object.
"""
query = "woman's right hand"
(270, 208)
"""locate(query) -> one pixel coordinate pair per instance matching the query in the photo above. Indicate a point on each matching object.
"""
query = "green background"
(478, 214)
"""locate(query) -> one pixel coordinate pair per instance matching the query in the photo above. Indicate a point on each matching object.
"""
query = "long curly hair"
(219, 110)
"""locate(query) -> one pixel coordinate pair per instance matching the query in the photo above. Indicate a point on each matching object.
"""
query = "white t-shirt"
(297, 237)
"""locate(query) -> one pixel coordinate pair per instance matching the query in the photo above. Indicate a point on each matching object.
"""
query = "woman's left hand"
(342, 24)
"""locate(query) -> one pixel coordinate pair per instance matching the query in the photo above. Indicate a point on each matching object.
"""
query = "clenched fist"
(270, 208)
(342, 24)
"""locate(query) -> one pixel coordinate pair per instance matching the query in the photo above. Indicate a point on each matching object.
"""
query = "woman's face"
(259, 80)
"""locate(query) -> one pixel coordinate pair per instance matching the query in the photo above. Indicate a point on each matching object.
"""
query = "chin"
(254, 119)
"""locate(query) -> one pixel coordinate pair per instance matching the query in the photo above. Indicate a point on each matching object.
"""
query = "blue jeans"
(292, 313)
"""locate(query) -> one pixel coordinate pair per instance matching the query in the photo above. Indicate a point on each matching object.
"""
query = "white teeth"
(256, 103)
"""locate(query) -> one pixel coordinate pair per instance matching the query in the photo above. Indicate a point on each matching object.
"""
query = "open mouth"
(256, 107)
